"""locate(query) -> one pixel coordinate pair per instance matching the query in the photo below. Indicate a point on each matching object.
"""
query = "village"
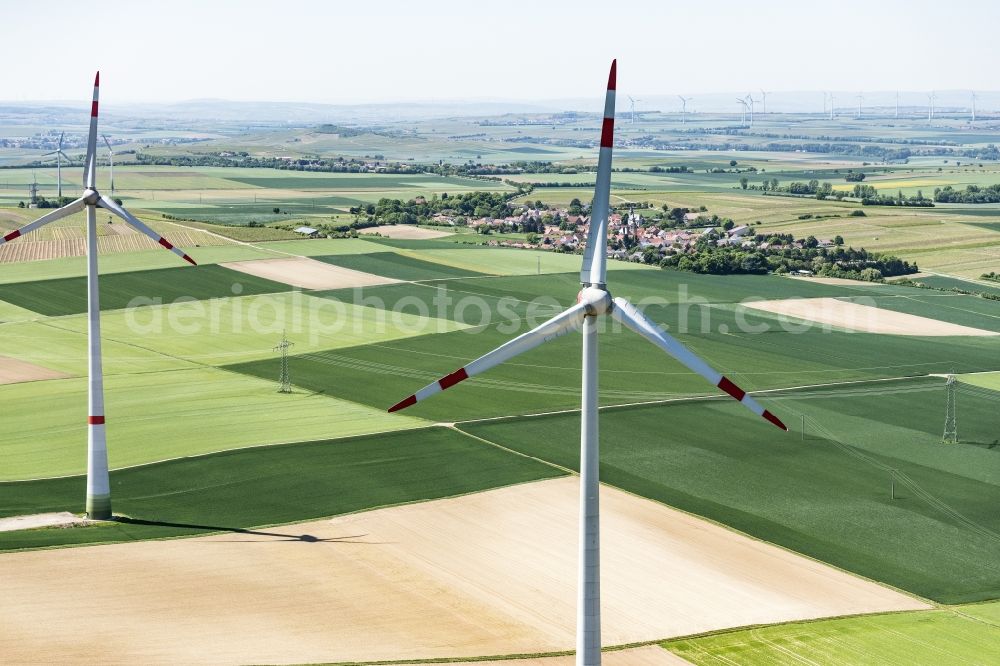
(632, 236)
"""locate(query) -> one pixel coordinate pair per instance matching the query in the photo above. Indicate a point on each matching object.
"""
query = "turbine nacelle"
(91, 197)
(595, 300)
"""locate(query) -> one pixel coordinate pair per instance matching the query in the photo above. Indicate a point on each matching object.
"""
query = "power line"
(284, 382)
(950, 417)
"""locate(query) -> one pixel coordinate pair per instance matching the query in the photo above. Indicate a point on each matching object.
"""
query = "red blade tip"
(189, 260)
(97, 79)
(403, 404)
(775, 420)
(613, 75)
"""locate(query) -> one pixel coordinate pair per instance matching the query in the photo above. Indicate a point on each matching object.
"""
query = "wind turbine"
(743, 120)
(763, 101)
(750, 102)
(897, 104)
(632, 107)
(111, 163)
(931, 96)
(831, 105)
(58, 152)
(593, 301)
(861, 98)
(684, 107)
(98, 483)
(973, 94)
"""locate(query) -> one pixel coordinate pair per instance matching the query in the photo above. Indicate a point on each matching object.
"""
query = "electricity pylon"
(950, 418)
(284, 382)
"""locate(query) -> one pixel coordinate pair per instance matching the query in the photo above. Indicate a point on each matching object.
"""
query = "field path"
(490, 573)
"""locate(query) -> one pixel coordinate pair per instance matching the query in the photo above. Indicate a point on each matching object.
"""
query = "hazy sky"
(351, 52)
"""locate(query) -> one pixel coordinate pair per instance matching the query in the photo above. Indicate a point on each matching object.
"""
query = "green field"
(941, 282)
(159, 415)
(989, 380)
(548, 378)
(960, 635)
(241, 490)
(68, 296)
(51, 269)
(827, 495)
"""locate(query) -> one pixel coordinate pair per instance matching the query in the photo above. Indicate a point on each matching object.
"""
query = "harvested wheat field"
(491, 573)
(15, 371)
(405, 231)
(307, 273)
(847, 315)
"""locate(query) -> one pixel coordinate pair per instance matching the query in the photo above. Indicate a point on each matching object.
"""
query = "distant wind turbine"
(684, 106)
(58, 152)
(111, 163)
(897, 104)
(750, 102)
(632, 106)
(931, 96)
(861, 98)
(972, 93)
(763, 101)
(743, 105)
(831, 105)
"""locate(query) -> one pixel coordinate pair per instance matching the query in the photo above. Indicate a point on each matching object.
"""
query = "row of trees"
(971, 194)
(421, 210)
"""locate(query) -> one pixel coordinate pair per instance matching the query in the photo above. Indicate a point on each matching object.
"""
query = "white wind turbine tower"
(593, 301)
(931, 96)
(973, 95)
(98, 482)
(684, 107)
(763, 101)
(861, 98)
(743, 103)
(897, 104)
(58, 152)
(111, 163)
(750, 103)
(831, 105)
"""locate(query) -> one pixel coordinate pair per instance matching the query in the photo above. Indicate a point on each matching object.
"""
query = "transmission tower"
(950, 418)
(284, 382)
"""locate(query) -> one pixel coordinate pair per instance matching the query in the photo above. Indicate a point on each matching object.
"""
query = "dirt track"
(862, 318)
(485, 574)
(307, 273)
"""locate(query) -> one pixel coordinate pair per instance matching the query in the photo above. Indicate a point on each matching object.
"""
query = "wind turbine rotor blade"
(630, 316)
(595, 256)
(106, 142)
(562, 323)
(58, 214)
(90, 166)
(135, 222)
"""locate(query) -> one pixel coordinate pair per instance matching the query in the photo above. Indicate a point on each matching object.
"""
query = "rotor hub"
(597, 300)
(91, 197)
